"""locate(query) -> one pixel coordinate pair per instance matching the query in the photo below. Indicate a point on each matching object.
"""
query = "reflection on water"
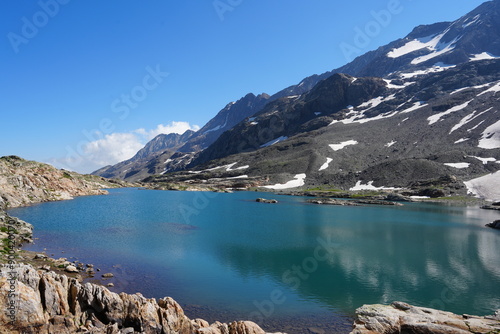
(265, 261)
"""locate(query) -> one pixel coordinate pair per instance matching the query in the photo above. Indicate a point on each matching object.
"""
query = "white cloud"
(113, 148)
(174, 127)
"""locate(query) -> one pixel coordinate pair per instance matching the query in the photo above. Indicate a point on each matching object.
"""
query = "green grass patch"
(325, 189)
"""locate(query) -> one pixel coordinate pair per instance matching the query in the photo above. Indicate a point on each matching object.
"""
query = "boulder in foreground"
(403, 318)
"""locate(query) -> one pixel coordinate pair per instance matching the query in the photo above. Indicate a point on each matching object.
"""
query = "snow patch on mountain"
(487, 187)
(491, 137)
(469, 87)
(433, 44)
(437, 117)
(475, 127)
(372, 103)
(228, 168)
(416, 105)
(437, 47)
(369, 186)
(461, 140)
(438, 67)
(237, 177)
(390, 85)
(494, 89)
(390, 143)
(218, 127)
(482, 56)
(338, 147)
(485, 161)
(274, 141)
(458, 165)
(467, 119)
(411, 46)
(326, 164)
(358, 116)
(298, 181)
(471, 21)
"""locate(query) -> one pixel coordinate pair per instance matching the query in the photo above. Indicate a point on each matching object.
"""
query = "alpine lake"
(293, 267)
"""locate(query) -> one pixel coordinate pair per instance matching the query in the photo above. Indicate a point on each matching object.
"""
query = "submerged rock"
(404, 318)
(46, 302)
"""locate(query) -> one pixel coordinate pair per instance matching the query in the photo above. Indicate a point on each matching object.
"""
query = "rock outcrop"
(495, 224)
(44, 302)
(403, 318)
(25, 182)
(267, 201)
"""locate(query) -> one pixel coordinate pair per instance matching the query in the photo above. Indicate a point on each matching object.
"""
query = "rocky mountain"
(228, 117)
(162, 143)
(292, 115)
(476, 35)
(418, 111)
(24, 182)
(408, 130)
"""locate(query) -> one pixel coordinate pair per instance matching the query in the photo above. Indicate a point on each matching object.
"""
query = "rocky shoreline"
(46, 302)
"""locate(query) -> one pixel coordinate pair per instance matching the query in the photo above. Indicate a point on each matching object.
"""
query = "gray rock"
(397, 198)
(332, 201)
(108, 275)
(268, 201)
(404, 318)
(495, 224)
(71, 269)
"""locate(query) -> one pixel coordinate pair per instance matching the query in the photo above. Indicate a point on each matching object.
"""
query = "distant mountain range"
(422, 108)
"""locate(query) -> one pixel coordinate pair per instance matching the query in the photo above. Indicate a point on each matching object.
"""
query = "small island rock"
(495, 224)
(268, 201)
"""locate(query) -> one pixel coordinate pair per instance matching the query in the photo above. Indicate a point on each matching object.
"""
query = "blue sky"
(87, 83)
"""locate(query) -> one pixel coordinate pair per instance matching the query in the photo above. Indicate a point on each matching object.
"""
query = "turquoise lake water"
(226, 256)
